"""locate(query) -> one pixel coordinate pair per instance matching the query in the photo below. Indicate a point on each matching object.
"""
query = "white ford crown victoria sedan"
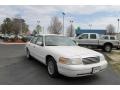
(62, 56)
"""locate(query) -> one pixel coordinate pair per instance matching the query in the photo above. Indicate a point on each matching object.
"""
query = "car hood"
(73, 51)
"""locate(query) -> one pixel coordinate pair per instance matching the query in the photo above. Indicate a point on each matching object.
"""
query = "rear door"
(93, 39)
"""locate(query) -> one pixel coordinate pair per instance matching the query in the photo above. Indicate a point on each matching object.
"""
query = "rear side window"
(92, 36)
(112, 38)
(84, 36)
(105, 37)
(34, 40)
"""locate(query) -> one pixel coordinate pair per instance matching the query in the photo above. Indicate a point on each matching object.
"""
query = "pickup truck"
(105, 42)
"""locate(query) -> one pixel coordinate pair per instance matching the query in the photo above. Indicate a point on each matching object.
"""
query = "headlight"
(68, 61)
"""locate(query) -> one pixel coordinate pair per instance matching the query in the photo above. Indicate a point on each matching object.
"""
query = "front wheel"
(52, 68)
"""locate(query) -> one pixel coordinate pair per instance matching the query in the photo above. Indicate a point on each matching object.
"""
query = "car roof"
(109, 35)
(90, 33)
(49, 35)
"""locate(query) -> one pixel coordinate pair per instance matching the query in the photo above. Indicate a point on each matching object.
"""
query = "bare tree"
(110, 29)
(70, 31)
(55, 26)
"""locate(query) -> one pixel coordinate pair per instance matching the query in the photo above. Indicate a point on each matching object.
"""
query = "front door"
(32, 46)
(83, 39)
(40, 50)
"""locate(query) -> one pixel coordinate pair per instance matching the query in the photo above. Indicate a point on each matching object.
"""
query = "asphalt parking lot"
(16, 69)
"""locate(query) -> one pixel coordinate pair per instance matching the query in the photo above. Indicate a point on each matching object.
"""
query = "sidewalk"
(12, 43)
(114, 58)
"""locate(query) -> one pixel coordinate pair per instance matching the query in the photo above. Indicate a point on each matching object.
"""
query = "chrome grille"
(91, 60)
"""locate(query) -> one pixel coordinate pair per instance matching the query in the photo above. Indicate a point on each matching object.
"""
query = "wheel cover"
(107, 48)
(50, 67)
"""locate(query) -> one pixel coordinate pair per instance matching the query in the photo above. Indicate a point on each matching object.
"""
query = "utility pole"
(63, 22)
(118, 25)
(38, 23)
(90, 25)
(43, 31)
(71, 21)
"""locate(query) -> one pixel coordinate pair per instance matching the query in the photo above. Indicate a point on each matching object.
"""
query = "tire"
(52, 68)
(107, 48)
(28, 54)
(118, 48)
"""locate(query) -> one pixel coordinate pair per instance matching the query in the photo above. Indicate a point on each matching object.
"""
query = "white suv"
(61, 55)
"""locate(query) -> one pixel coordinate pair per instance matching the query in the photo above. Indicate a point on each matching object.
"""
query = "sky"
(98, 16)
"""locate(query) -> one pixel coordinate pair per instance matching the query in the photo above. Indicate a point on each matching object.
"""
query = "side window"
(34, 40)
(40, 39)
(112, 38)
(105, 37)
(84, 36)
(92, 36)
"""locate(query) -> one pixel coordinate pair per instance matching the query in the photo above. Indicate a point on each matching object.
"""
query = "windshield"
(58, 41)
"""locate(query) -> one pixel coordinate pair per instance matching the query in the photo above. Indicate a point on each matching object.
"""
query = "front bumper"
(80, 70)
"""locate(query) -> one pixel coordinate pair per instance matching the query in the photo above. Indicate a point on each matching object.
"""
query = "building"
(99, 31)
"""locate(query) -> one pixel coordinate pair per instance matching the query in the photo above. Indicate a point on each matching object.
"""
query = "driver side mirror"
(39, 43)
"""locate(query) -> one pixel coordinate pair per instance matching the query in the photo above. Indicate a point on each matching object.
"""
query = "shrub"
(24, 39)
(12, 39)
(5, 39)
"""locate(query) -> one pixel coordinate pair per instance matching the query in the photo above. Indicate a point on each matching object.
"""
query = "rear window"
(84, 36)
(112, 38)
(105, 37)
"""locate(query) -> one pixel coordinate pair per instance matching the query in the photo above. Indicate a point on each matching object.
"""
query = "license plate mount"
(96, 69)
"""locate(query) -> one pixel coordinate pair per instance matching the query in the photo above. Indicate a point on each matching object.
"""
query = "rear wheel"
(52, 67)
(107, 48)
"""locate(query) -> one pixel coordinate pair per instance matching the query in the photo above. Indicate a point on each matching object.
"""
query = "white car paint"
(40, 53)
